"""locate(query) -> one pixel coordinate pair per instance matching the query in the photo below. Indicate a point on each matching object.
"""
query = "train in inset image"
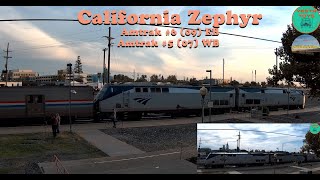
(221, 159)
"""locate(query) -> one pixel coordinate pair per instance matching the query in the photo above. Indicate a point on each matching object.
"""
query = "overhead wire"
(253, 131)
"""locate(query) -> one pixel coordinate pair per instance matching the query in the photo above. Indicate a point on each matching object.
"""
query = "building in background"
(216, 81)
(22, 75)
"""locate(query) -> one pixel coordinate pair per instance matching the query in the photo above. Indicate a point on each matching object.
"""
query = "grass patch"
(17, 152)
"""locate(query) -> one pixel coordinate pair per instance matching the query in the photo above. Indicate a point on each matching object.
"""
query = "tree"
(253, 83)
(121, 78)
(311, 143)
(294, 67)
(246, 84)
(171, 78)
(78, 66)
(263, 84)
(143, 78)
(234, 83)
(154, 78)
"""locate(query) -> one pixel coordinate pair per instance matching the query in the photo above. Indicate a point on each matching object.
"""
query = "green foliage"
(121, 78)
(171, 78)
(143, 78)
(293, 67)
(78, 66)
(312, 143)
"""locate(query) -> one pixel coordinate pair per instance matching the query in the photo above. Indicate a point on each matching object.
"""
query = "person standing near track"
(58, 119)
(54, 123)
(114, 119)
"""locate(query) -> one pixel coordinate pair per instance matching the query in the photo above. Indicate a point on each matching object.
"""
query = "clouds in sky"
(274, 136)
(36, 45)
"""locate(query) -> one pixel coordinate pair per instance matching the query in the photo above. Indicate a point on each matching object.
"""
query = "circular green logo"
(306, 19)
(315, 128)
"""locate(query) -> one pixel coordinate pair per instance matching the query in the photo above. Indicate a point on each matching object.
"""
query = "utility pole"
(134, 75)
(223, 72)
(255, 76)
(104, 66)
(239, 141)
(252, 76)
(69, 65)
(6, 65)
(276, 52)
(109, 45)
(210, 95)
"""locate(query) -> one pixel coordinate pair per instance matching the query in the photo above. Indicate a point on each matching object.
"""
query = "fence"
(60, 168)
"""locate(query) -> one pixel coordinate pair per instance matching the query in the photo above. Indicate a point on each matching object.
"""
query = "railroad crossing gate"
(35, 106)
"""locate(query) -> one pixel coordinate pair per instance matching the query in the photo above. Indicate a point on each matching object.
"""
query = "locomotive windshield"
(101, 93)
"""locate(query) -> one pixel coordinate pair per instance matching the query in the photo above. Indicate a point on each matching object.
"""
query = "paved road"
(278, 169)
(164, 162)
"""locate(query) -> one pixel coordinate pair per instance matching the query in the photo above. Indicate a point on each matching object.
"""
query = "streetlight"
(69, 72)
(210, 95)
(203, 93)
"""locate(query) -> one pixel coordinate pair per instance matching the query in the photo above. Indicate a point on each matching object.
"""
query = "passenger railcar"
(220, 159)
(39, 102)
(138, 99)
(270, 97)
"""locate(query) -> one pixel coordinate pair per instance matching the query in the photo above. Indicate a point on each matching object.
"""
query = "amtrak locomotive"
(134, 100)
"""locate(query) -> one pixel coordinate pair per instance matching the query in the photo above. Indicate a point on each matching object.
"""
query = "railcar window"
(257, 101)
(224, 102)
(145, 89)
(249, 101)
(284, 91)
(216, 102)
(231, 95)
(158, 90)
(153, 89)
(138, 90)
(243, 95)
(262, 91)
(165, 90)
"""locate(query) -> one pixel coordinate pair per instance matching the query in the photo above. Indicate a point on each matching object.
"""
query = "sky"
(46, 47)
(290, 138)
